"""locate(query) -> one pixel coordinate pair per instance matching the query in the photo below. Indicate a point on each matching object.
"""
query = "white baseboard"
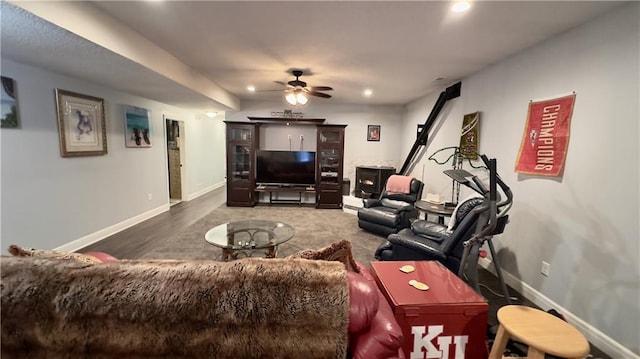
(593, 335)
(346, 209)
(111, 230)
(352, 202)
(205, 190)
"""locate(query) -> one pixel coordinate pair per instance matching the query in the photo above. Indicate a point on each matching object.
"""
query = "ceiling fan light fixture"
(302, 99)
(297, 92)
(461, 6)
(291, 98)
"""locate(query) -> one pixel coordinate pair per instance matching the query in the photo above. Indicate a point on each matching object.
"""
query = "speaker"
(346, 187)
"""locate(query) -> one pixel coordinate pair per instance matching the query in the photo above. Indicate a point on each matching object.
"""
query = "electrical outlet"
(301, 137)
(150, 196)
(546, 268)
(289, 136)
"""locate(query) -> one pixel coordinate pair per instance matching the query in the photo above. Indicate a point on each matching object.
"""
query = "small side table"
(247, 236)
(439, 210)
(541, 331)
(448, 317)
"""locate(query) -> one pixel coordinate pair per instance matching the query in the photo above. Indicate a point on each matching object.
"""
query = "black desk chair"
(392, 211)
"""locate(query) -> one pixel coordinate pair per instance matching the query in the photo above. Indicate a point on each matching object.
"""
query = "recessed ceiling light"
(251, 88)
(460, 6)
(367, 92)
(212, 114)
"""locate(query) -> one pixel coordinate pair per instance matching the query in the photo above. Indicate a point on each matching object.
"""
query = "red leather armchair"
(374, 332)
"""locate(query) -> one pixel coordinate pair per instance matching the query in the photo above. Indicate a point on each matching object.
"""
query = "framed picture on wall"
(373, 133)
(9, 117)
(137, 127)
(81, 124)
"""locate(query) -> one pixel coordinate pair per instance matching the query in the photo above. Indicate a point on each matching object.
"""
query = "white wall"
(585, 224)
(49, 201)
(205, 152)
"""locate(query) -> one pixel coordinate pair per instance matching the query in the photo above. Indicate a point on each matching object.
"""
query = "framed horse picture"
(81, 124)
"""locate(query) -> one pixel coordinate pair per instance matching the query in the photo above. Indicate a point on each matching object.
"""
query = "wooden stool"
(541, 331)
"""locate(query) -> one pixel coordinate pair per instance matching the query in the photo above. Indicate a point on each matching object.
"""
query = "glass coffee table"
(248, 236)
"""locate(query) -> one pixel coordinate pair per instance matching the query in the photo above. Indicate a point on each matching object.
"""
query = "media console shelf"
(286, 189)
(287, 121)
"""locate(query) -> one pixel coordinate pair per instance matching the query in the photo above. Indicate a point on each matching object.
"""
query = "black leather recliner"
(427, 240)
(391, 212)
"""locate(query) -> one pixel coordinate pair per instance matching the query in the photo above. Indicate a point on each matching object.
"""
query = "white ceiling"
(401, 50)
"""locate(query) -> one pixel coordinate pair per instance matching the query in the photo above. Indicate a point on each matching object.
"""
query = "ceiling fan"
(297, 90)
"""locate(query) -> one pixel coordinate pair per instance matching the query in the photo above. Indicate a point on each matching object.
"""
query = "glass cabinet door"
(330, 136)
(329, 165)
(240, 134)
(240, 162)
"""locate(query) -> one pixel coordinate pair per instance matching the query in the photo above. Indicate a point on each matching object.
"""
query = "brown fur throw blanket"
(337, 251)
(250, 308)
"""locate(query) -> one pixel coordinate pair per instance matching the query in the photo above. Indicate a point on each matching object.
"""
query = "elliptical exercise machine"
(492, 219)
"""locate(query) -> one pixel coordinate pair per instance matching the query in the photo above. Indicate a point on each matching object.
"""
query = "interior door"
(174, 161)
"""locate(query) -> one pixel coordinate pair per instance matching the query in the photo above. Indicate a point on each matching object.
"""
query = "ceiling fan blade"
(319, 94)
(320, 88)
(282, 83)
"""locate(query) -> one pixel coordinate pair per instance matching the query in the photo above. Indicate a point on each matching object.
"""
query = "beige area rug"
(314, 228)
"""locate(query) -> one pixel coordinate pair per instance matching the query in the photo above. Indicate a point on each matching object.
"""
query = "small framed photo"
(81, 124)
(373, 133)
(9, 99)
(137, 127)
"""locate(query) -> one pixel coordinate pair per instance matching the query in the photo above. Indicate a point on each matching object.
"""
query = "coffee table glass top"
(249, 234)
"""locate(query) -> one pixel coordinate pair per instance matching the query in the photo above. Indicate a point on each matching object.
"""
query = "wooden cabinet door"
(242, 142)
(330, 162)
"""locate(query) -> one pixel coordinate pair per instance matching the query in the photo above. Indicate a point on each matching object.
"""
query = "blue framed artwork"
(137, 130)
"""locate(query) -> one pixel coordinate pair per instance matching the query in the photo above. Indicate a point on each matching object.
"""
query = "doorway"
(175, 143)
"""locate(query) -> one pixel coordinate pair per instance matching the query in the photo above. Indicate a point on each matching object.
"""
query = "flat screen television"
(285, 168)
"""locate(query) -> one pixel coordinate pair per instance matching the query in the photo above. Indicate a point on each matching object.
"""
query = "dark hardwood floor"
(139, 239)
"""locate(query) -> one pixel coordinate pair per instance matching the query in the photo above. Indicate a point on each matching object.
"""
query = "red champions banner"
(546, 137)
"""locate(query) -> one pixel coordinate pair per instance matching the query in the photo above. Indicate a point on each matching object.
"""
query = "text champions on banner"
(546, 137)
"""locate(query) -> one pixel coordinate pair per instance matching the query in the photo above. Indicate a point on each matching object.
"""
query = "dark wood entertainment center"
(243, 142)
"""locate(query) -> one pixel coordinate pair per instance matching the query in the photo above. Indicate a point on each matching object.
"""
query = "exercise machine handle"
(499, 181)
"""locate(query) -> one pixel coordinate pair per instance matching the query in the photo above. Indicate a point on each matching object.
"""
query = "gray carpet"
(314, 228)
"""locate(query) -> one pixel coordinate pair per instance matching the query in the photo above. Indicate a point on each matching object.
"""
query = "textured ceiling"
(398, 49)
(28, 39)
